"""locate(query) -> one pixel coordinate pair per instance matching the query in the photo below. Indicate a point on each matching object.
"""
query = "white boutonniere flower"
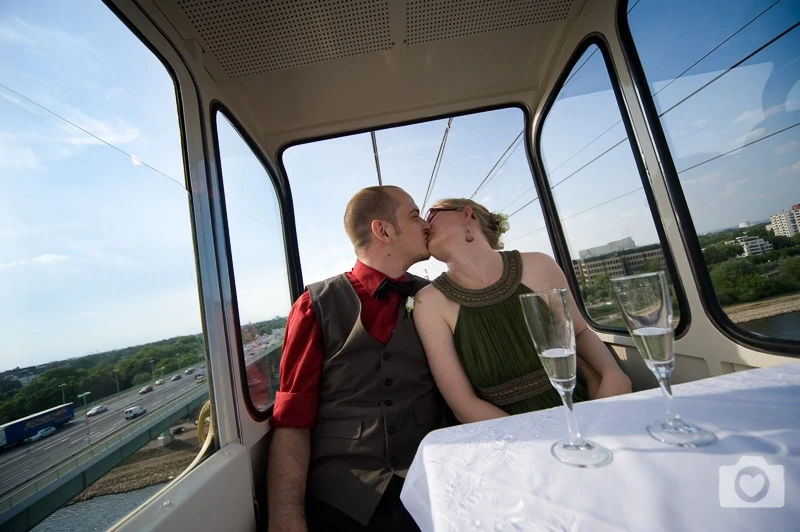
(410, 302)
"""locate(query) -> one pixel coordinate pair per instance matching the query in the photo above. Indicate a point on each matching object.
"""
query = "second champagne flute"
(646, 306)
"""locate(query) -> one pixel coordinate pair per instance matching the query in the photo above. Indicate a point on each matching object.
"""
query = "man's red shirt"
(297, 399)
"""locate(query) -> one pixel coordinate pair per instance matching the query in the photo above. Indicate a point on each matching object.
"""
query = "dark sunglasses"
(436, 210)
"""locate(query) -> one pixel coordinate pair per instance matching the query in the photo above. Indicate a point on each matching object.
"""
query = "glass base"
(586, 454)
(681, 434)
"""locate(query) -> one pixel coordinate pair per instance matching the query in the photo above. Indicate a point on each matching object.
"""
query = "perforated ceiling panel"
(253, 36)
(434, 20)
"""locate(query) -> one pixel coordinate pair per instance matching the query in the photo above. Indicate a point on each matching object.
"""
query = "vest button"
(387, 356)
(388, 382)
(393, 461)
(388, 402)
(391, 430)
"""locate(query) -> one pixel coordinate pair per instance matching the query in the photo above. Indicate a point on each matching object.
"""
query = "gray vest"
(376, 403)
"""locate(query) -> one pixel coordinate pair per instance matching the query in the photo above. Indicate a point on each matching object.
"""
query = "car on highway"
(159, 382)
(189, 371)
(99, 409)
(176, 377)
(146, 389)
(134, 412)
(49, 431)
(199, 378)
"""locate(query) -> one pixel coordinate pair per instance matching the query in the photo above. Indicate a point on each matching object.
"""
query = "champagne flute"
(646, 307)
(547, 315)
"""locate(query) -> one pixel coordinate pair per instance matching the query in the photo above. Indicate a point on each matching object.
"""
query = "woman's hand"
(613, 383)
(589, 376)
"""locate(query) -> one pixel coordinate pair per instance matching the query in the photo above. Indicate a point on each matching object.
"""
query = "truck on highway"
(17, 431)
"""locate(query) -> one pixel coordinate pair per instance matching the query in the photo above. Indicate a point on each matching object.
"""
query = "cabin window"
(724, 78)
(607, 221)
(481, 156)
(99, 305)
(259, 261)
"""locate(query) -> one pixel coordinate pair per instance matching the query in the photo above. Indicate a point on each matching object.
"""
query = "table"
(499, 475)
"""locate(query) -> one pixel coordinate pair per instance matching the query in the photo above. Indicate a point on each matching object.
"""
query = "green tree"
(717, 253)
(141, 378)
(789, 273)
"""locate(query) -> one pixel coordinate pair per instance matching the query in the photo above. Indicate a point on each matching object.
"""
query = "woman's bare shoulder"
(534, 258)
(541, 272)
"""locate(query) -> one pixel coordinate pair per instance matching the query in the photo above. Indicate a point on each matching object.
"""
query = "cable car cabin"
(190, 161)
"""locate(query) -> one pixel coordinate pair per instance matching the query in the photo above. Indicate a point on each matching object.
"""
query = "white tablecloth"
(500, 475)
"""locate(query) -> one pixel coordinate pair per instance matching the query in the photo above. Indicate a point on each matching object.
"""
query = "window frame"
(283, 196)
(526, 124)
(554, 228)
(691, 242)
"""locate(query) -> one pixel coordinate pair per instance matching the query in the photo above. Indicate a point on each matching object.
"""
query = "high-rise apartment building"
(786, 222)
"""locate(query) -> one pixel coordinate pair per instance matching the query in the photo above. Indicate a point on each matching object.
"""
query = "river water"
(785, 326)
(96, 514)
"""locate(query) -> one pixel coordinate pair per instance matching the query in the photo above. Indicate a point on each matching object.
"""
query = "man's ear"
(381, 230)
(467, 215)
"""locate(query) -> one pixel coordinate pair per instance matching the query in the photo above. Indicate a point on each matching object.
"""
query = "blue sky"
(95, 241)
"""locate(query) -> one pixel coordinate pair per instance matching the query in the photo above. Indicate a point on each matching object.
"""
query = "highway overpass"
(38, 478)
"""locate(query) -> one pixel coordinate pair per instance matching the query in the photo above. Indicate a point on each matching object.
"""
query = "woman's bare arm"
(437, 339)
(590, 348)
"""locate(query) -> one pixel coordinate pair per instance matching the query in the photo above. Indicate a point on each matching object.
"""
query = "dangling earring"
(469, 237)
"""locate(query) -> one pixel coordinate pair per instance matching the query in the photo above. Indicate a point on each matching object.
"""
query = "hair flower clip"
(503, 225)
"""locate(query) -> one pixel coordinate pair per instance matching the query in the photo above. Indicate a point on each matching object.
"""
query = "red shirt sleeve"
(297, 399)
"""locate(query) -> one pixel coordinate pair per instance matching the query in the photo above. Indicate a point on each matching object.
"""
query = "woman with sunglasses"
(471, 324)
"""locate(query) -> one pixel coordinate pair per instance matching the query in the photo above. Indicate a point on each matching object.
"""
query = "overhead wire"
(730, 68)
(487, 178)
(765, 137)
(437, 163)
(99, 139)
(680, 75)
(615, 198)
(377, 160)
(748, 56)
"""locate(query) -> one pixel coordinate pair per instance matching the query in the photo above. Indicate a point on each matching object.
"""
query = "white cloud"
(13, 156)
(700, 123)
(49, 257)
(757, 115)
(784, 170)
(733, 187)
(46, 258)
(787, 148)
(14, 30)
(116, 132)
(749, 136)
(13, 263)
(749, 116)
(713, 177)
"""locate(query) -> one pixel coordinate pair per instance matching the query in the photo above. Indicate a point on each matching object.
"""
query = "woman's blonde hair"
(489, 222)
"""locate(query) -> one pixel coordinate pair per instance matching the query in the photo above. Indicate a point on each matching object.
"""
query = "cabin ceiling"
(299, 68)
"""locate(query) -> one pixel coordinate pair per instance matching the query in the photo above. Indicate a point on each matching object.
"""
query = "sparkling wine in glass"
(547, 315)
(646, 307)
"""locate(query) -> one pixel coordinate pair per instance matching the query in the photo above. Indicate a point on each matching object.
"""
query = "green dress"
(494, 346)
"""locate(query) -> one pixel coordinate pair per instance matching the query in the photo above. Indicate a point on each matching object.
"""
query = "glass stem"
(575, 437)
(673, 418)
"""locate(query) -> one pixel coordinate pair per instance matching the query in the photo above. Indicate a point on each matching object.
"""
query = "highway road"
(26, 461)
